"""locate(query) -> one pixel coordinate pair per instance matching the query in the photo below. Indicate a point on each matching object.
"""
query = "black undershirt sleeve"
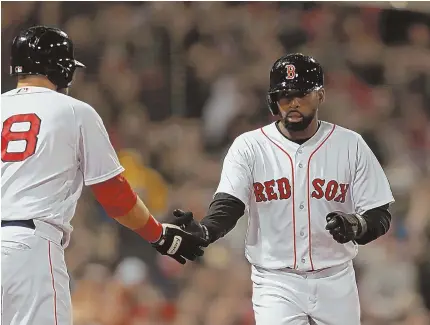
(224, 212)
(378, 222)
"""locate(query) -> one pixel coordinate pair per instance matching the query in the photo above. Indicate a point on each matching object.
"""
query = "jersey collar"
(273, 132)
(26, 90)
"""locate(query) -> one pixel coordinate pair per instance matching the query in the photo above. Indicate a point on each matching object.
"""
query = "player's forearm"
(224, 212)
(122, 204)
(378, 222)
(137, 217)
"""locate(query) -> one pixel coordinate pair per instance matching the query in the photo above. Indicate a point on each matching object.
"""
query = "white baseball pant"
(290, 297)
(34, 278)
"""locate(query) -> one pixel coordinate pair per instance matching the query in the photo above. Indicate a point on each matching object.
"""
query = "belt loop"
(48, 231)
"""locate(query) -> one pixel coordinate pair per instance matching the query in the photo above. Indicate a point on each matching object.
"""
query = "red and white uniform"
(62, 144)
(288, 189)
(52, 145)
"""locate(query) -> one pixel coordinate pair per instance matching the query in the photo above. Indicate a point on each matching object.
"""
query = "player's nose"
(289, 105)
(294, 103)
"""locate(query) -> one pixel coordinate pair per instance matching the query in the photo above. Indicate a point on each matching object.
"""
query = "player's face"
(298, 111)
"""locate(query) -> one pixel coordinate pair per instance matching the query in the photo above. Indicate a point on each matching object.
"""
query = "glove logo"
(175, 245)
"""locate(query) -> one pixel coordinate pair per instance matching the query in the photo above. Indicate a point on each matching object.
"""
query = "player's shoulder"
(244, 142)
(73, 102)
(341, 132)
(48, 96)
(249, 137)
(81, 110)
(256, 134)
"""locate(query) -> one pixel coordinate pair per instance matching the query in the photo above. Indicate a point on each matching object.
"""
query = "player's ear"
(321, 95)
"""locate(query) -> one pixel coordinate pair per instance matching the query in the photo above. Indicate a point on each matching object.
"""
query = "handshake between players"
(183, 238)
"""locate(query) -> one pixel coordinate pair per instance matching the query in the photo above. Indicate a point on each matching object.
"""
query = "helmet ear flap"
(59, 75)
(273, 105)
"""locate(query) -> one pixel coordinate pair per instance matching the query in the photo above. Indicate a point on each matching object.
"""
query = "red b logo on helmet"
(291, 71)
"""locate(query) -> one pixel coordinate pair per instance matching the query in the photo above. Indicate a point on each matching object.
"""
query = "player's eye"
(289, 96)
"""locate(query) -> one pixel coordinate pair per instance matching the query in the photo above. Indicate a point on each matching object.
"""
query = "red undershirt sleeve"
(115, 195)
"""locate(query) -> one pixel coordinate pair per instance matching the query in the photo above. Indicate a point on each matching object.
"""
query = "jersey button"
(303, 260)
(302, 234)
(300, 151)
(301, 206)
(300, 165)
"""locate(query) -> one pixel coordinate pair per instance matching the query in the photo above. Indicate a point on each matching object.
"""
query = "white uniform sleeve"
(370, 188)
(236, 176)
(97, 157)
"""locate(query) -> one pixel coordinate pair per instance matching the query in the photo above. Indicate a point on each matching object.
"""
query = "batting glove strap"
(179, 244)
(361, 227)
(166, 244)
(205, 231)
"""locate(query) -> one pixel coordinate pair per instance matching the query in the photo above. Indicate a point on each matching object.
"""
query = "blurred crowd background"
(176, 82)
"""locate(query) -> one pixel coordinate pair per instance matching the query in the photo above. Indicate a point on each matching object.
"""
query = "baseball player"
(313, 192)
(52, 144)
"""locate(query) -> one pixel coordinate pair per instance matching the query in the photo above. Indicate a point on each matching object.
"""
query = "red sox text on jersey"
(280, 189)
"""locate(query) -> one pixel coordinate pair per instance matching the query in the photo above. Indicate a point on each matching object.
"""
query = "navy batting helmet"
(47, 51)
(293, 75)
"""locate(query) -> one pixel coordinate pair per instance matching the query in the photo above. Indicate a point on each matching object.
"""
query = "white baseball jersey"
(288, 189)
(51, 145)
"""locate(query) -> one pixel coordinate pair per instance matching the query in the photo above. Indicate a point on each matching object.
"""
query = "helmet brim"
(79, 64)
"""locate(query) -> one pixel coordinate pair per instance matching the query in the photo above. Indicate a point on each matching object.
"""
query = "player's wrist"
(205, 233)
(361, 226)
(152, 231)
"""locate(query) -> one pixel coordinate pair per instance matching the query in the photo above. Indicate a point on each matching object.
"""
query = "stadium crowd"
(176, 82)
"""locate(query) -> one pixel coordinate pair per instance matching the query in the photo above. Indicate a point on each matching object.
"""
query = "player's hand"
(342, 226)
(185, 220)
(179, 244)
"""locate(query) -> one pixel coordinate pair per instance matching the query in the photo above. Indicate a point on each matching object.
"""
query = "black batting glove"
(179, 244)
(343, 227)
(185, 220)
